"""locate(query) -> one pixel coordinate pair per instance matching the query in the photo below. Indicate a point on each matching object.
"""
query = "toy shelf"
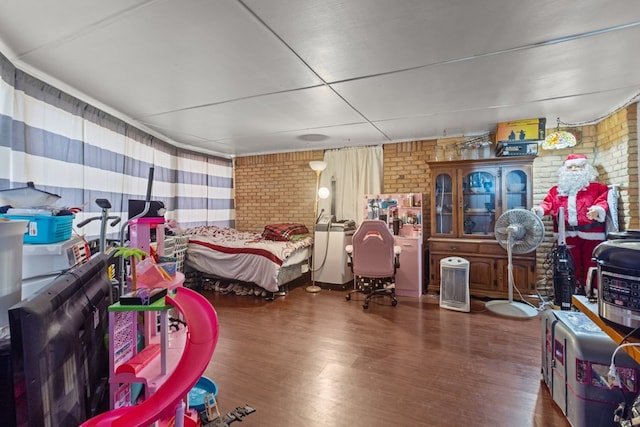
(123, 322)
(168, 404)
(171, 362)
(152, 368)
(152, 374)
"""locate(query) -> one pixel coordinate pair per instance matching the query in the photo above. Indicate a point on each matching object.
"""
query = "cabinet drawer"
(453, 247)
(409, 245)
(491, 248)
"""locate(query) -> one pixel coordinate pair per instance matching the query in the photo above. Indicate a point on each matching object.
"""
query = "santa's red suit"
(582, 234)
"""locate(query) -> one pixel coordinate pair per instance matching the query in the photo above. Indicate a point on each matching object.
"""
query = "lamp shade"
(559, 140)
(318, 165)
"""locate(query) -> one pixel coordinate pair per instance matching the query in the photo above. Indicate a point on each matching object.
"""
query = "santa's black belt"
(583, 227)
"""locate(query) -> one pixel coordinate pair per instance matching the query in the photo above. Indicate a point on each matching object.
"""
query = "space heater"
(454, 284)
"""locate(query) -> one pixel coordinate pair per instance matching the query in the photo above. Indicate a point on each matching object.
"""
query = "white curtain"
(72, 149)
(351, 173)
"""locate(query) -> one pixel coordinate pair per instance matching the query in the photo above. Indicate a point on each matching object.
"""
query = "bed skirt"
(199, 280)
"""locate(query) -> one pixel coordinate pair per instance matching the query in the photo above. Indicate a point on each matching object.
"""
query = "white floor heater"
(454, 284)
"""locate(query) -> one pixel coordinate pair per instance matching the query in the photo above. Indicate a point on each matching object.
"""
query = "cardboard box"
(509, 149)
(521, 130)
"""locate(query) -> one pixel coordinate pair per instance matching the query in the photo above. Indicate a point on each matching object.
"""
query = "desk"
(591, 310)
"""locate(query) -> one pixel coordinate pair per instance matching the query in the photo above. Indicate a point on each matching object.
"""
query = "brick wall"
(274, 188)
(405, 167)
(617, 158)
(281, 187)
(612, 148)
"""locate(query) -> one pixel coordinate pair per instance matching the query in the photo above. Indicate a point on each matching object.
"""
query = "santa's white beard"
(572, 181)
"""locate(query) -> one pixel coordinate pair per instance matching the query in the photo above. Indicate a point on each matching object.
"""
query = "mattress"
(246, 256)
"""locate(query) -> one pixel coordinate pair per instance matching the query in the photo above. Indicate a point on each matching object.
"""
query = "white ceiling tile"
(298, 111)
(236, 77)
(345, 39)
(508, 79)
(473, 122)
(167, 57)
(28, 25)
(336, 137)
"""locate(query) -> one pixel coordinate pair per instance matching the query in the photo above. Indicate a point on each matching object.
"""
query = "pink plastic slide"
(201, 342)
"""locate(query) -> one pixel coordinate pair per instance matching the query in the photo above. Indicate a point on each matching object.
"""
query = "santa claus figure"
(585, 210)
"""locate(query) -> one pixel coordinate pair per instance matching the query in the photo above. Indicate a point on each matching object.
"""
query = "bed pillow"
(283, 232)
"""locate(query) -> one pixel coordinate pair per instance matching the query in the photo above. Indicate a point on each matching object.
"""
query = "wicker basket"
(180, 249)
(169, 246)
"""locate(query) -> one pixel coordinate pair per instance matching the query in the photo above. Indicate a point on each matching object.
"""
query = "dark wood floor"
(317, 360)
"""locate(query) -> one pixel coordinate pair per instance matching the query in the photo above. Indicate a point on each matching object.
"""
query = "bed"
(269, 260)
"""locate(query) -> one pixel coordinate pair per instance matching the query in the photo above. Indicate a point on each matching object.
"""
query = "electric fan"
(519, 231)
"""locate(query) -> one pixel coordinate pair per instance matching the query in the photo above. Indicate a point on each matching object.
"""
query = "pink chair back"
(373, 253)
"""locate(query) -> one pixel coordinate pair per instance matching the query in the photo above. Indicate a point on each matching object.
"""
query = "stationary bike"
(105, 205)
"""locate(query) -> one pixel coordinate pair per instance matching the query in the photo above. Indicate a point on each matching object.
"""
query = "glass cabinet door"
(516, 189)
(444, 204)
(479, 198)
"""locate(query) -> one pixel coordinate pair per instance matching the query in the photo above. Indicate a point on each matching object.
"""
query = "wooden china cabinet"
(466, 199)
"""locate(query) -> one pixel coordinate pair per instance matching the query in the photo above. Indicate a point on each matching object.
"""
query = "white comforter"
(244, 256)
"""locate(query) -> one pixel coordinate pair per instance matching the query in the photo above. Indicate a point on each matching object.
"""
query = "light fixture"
(312, 137)
(324, 193)
(559, 139)
(317, 166)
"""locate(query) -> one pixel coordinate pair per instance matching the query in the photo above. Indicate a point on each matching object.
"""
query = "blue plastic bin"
(46, 229)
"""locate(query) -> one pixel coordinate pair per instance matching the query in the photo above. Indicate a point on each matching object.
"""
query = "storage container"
(510, 149)
(53, 258)
(27, 197)
(45, 228)
(10, 269)
(181, 243)
(576, 356)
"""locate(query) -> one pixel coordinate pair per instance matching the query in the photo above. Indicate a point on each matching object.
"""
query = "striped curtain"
(70, 148)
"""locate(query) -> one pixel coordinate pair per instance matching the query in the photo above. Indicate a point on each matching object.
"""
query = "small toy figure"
(211, 406)
(145, 296)
(585, 207)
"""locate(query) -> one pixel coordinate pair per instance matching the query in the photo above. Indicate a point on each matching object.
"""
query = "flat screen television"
(59, 350)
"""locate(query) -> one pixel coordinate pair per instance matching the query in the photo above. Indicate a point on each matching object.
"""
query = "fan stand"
(511, 308)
